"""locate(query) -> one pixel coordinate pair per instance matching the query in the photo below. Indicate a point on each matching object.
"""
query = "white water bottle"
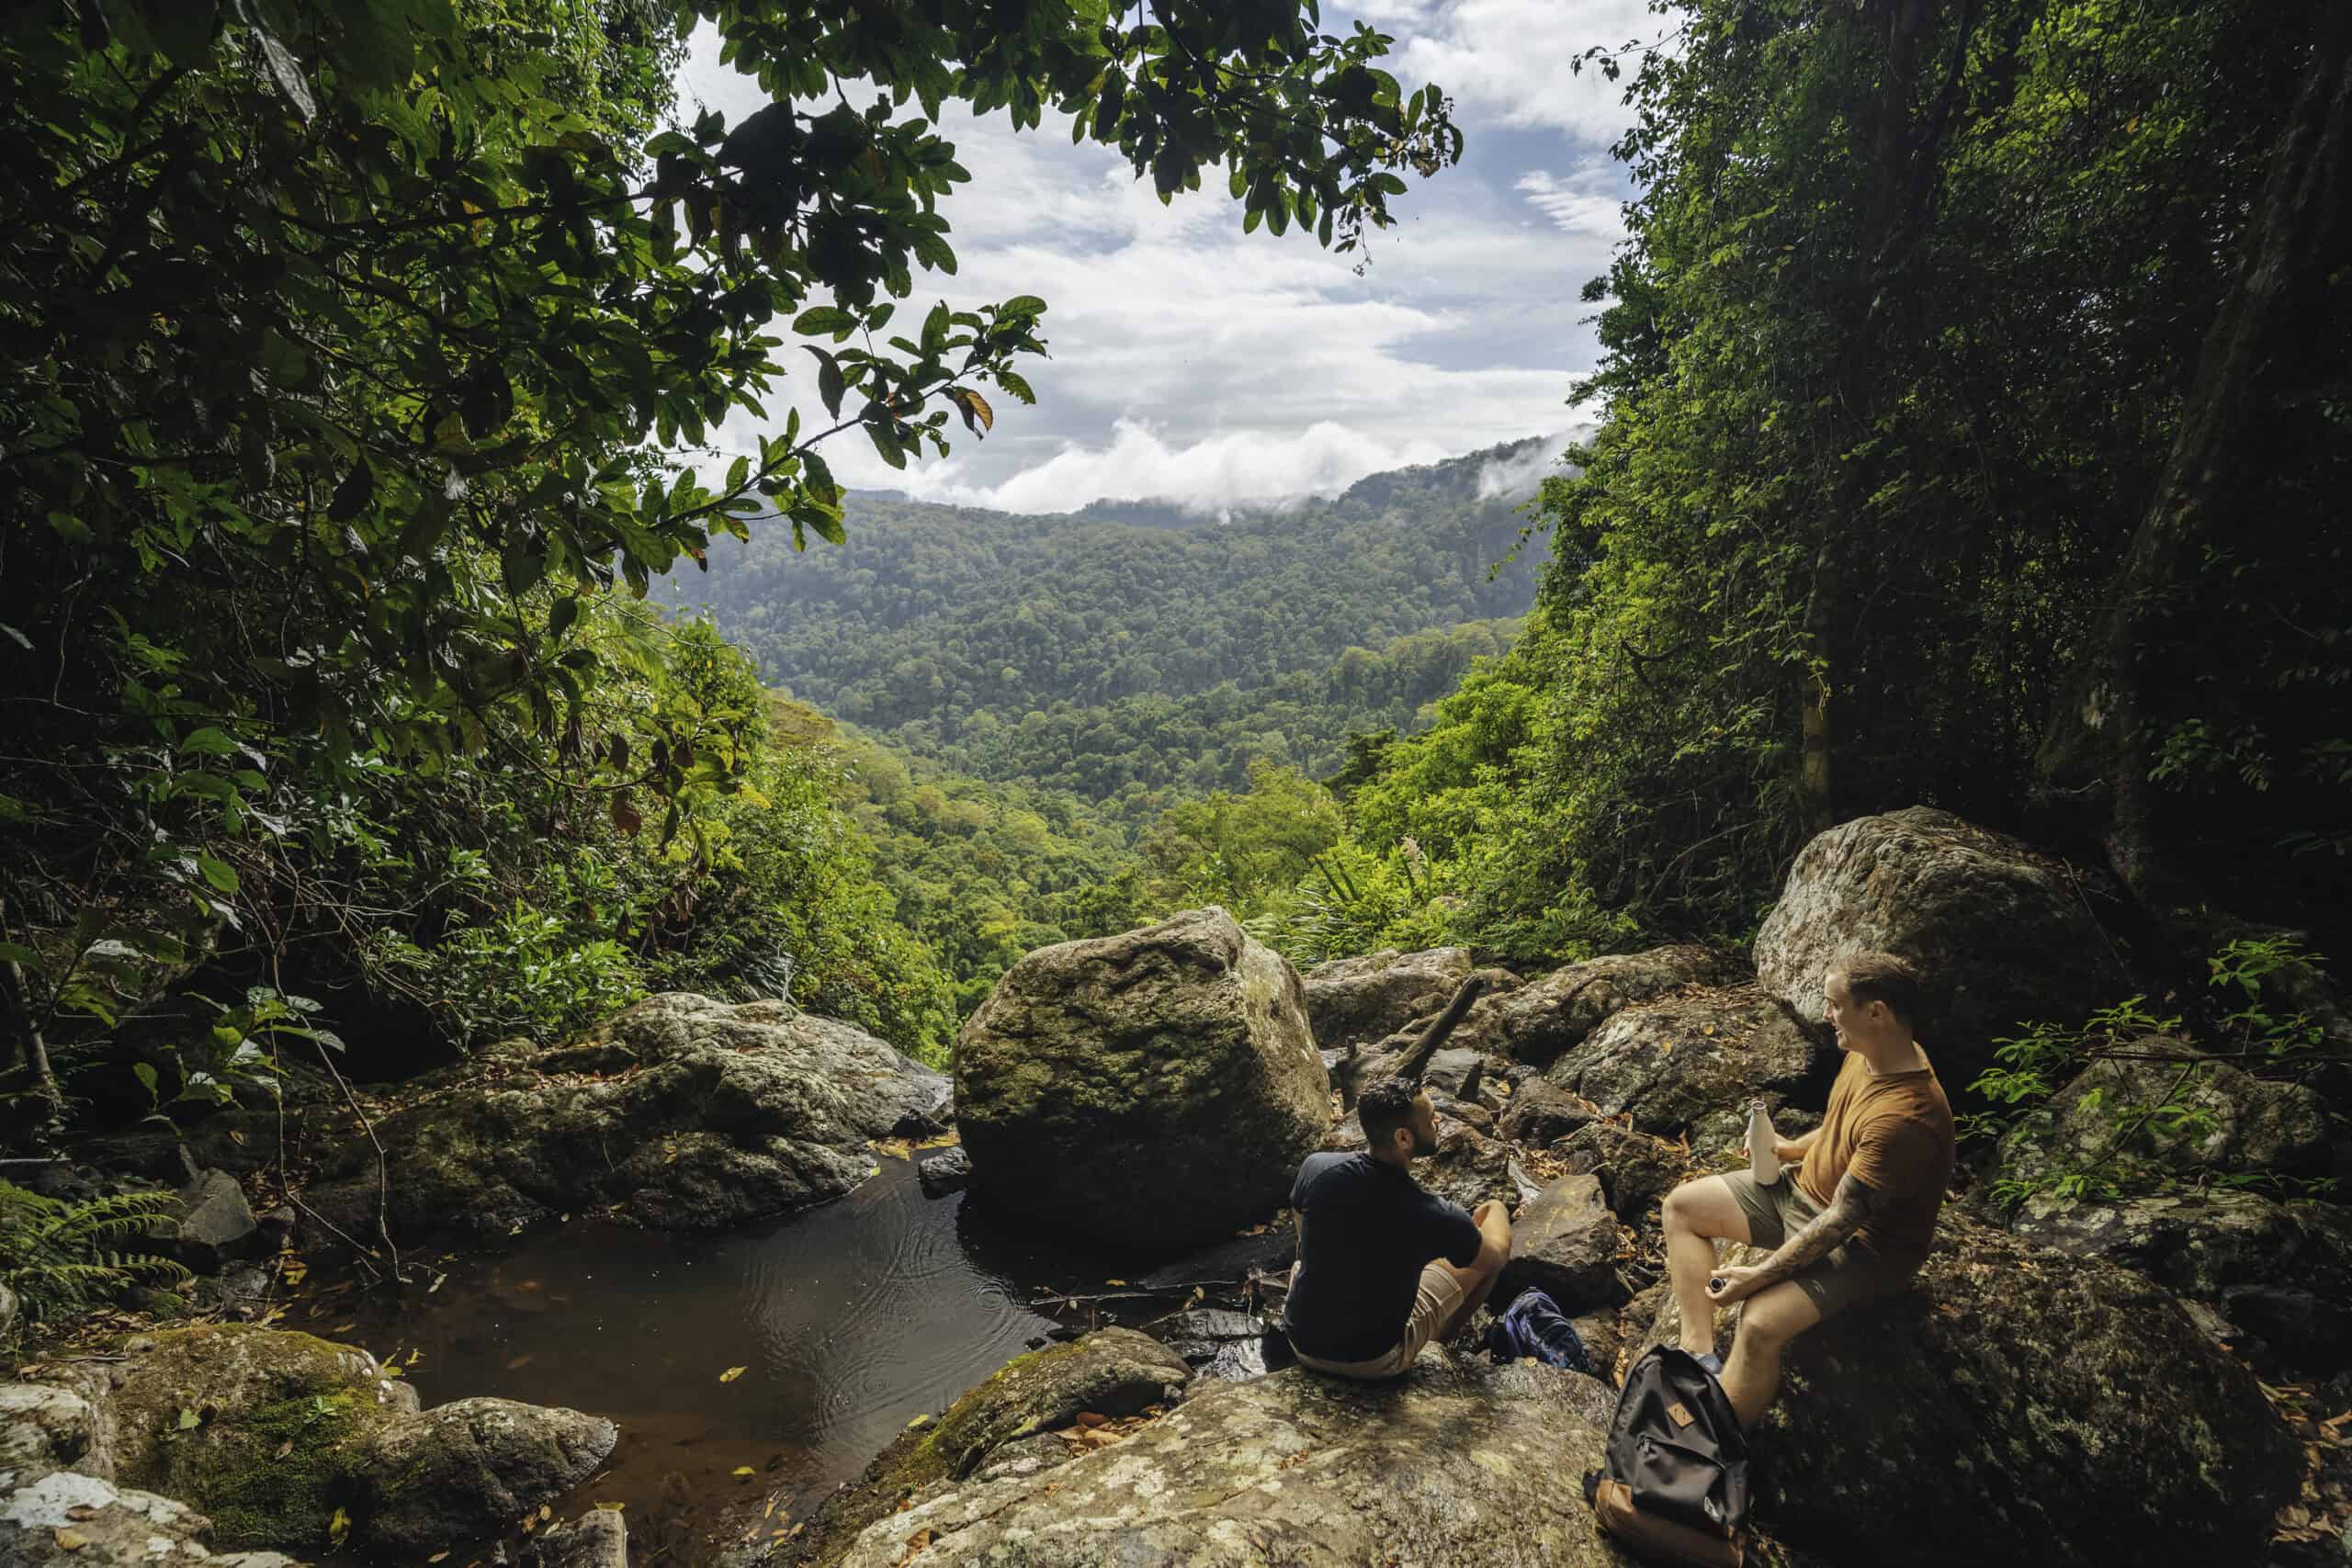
(1763, 1158)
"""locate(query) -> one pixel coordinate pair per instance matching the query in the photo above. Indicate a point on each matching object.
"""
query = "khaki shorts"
(1850, 1274)
(1439, 1294)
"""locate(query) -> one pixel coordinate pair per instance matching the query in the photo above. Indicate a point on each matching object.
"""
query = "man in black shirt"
(1384, 1266)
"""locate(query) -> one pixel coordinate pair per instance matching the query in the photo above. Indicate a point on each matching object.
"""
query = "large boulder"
(441, 1475)
(1689, 1065)
(679, 1112)
(1564, 1242)
(2281, 1272)
(1545, 1016)
(271, 1433)
(1471, 1467)
(1366, 998)
(1999, 934)
(2218, 1119)
(2016, 1406)
(1147, 1091)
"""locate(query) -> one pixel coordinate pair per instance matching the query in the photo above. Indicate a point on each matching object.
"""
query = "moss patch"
(276, 1475)
(203, 1413)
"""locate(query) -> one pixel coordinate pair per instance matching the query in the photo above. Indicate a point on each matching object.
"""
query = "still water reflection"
(849, 1321)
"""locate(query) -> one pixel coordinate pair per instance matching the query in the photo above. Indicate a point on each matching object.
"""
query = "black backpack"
(1676, 1487)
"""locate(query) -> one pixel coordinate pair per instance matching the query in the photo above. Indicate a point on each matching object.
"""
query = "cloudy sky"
(1194, 362)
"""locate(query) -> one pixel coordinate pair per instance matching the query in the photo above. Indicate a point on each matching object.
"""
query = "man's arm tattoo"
(1849, 1211)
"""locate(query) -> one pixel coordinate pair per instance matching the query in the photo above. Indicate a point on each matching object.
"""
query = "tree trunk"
(2270, 356)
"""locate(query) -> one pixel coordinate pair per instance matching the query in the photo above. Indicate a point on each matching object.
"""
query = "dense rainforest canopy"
(1105, 658)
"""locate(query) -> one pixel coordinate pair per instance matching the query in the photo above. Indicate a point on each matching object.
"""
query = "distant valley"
(1130, 648)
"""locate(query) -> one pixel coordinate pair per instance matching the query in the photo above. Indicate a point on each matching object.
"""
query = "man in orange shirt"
(1853, 1221)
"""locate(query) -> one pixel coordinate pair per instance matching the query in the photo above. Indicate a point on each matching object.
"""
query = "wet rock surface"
(1466, 1465)
(680, 1113)
(1997, 932)
(1688, 1065)
(2019, 1406)
(1146, 1092)
(1225, 1344)
(947, 1171)
(597, 1539)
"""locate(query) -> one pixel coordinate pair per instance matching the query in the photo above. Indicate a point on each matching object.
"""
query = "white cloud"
(1519, 475)
(1208, 475)
(1519, 57)
(1597, 214)
(1192, 363)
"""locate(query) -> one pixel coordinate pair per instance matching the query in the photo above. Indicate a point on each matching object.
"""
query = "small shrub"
(56, 1255)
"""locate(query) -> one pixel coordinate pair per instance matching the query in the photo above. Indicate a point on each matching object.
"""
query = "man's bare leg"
(1477, 1280)
(1696, 1213)
(1767, 1321)
(1477, 1283)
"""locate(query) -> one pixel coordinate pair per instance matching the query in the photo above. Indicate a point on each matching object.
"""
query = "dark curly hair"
(1385, 1107)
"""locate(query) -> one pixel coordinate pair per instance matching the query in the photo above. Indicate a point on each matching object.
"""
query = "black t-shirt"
(1368, 1230)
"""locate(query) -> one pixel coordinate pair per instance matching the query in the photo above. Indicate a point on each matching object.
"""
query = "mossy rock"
(1115, 1371)
(2015, 1405)
(270, 1432)
(1148, 1092)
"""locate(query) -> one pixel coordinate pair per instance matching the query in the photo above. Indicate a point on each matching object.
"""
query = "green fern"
(52, 1256)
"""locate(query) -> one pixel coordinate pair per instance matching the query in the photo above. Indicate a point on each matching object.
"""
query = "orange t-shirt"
(1894, 1133)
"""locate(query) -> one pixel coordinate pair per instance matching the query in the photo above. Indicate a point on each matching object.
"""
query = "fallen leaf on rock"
(338, 1527)
(1092, 1419)
(1115, 1281)
(71, 1540)
(613, 1507)
(744, 1472)
(518, 1363)
(439, 1555)
(81, 1511)
(731, 1373)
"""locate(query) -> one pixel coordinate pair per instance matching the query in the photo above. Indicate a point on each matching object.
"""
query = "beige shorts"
(1434, 1301)
(1850, 1273)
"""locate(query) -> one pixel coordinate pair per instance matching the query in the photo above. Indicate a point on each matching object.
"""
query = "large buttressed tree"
(350, 346)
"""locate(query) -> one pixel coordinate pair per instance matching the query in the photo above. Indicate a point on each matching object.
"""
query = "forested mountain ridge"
(942, 626)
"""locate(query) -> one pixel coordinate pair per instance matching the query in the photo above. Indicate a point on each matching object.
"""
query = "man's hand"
(1727, 1285)
(1789, 1153)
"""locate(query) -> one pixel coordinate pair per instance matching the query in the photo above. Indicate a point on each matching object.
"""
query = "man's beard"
(1423, 1147)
